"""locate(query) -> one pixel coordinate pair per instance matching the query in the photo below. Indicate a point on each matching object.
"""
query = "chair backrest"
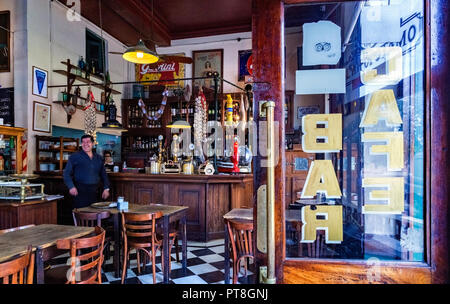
(19, 270)
(15, 228)
(89, 219)
(86, 256)
(240, 235)
(140, 225)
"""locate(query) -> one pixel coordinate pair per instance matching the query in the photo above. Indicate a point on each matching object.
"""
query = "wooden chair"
(15, 228)
(15, 270)
(86, 258)
(139, 233)
(92, 219)
(240, 235)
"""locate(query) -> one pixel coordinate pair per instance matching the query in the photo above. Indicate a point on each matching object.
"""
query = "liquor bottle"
(93, 67)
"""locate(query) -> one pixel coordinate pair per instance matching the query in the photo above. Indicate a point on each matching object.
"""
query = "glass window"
(363, 64)
(95, 52)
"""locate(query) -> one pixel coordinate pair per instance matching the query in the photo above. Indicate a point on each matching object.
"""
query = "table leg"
(116, 245)
(184, 247)
(39, 261)
(227, 256)
(166, 249)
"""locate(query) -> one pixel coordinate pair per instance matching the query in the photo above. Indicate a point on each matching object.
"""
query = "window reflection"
(379, 168)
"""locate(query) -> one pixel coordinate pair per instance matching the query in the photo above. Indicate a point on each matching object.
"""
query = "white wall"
(52, 38)
(294, 39)
(230, 45)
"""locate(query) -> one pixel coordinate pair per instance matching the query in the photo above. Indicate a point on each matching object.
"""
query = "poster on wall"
(205, 63)
(321, 43)
(245, 64)
(302, 111)
(42, 117)
(162, 73)
(40, 78)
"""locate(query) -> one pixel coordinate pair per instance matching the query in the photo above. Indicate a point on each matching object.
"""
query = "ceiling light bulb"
(140, 55)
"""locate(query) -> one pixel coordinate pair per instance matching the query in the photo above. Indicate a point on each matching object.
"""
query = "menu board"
(7, 106)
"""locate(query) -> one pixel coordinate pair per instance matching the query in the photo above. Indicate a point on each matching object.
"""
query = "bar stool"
(240, 235)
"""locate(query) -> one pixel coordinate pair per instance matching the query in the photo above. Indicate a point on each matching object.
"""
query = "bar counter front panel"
(208, 197)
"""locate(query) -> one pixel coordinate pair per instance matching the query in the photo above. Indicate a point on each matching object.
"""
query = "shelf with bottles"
(52, 153)
(84, 75)
(140, 144)
(10, 148)
(137, 119)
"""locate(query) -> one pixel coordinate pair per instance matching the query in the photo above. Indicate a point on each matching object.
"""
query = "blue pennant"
(40, 77)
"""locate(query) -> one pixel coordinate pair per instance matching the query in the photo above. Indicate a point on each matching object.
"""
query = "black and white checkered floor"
(205, 265)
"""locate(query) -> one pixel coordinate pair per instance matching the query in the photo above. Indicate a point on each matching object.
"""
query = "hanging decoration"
(90, 116)
(161, 108)
(200, 123)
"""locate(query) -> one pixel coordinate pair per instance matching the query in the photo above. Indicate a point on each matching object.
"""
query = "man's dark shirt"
(82, 169)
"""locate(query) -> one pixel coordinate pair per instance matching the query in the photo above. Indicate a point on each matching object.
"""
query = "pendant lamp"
(179, 122)
(140, 54)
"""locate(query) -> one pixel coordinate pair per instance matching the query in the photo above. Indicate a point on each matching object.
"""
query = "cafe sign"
(163, 73)
(321, 134)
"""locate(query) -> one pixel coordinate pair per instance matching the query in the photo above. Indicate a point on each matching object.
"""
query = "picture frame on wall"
(42, 117)
(207, 61)
(245, 64)
(5, 48)
(302, 111)
(40, 82)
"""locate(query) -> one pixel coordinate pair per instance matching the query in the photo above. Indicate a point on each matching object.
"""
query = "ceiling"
(129, 20)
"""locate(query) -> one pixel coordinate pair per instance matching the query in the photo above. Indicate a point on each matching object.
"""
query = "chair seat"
(58, 275)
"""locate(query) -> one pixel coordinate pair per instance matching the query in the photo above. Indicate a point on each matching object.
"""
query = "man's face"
(86, 145)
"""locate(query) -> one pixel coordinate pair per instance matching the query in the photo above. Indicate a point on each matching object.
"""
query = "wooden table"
(235, 214)
(171, 214)
(43, 240)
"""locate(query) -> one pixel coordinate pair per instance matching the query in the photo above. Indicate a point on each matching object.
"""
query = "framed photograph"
(42, 117)
(5, 42)
(245, 64)
(40, 79)
(205, 62)
(302, 111)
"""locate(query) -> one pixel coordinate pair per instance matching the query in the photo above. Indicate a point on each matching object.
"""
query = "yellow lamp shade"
(180, 124)
(140, 54)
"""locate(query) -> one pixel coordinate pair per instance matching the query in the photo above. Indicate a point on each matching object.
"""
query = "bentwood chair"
(139, 233)
(85, 261)
(92, 219)
(18, 270)
(15, 228)
(240, 235)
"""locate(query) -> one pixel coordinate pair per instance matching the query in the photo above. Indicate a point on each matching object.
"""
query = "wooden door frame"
(268, 30)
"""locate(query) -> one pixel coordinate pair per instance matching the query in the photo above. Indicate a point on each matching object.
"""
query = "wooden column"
(268, 71)
(438, 163)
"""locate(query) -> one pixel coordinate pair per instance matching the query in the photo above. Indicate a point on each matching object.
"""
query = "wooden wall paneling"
(8, 217)
(193, 196)
(218, 203)
(268, 73)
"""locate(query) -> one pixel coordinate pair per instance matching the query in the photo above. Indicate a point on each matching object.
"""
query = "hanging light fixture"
(139, 53)
(178, 122)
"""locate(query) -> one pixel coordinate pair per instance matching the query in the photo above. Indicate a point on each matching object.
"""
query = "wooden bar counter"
(13, 213)
(208, 197)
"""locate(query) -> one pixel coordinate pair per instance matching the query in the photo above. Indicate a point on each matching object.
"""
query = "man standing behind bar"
(83, 173)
